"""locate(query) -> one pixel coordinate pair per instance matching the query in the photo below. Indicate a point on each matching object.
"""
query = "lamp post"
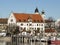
(40, 38)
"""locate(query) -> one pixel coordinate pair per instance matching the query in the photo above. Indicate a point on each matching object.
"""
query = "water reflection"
(14, 43)
(2, 43)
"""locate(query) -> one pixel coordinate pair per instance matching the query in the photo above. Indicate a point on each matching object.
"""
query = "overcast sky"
(51, 7)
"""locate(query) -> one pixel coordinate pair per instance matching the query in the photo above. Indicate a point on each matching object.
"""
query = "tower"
(43, 14)
(36, 11)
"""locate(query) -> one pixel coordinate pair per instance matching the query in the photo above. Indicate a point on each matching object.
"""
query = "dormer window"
(37, 20)
(29, 20)
(41, 20)
(24, 20)
(34, 20)
(19, 20)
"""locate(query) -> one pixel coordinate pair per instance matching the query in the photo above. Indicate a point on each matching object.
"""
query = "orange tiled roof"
(24, 17)
(50, 30)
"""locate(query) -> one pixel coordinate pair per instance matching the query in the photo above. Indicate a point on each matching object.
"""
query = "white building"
(57, 23)
(27, 21)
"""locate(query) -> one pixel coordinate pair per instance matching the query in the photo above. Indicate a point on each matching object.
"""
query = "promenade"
(6, 39)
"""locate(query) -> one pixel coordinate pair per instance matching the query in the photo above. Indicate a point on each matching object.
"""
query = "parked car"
(44, 39)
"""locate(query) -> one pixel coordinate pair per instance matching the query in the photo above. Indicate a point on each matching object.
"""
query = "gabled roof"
(23, 17)
(3, 20)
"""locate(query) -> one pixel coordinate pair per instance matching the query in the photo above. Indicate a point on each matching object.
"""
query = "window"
(38, 28)
(37, 20)
(41, 31)
(41, 24)
(27, 24)
(21, 28)
(41, 20)
(29, 20)
(37, 24)
(24, 28)
(11, 20)
(34, 20)
(41, 28)
(21, 24)
(30, 28)
(30, 24)
(19, 20)
(35, 28)
(24, 20)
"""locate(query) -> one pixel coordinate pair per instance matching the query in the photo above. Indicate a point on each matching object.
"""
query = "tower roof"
(42, 12)
(36, 10)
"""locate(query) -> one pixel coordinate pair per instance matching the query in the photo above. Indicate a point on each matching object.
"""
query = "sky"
(51, 7)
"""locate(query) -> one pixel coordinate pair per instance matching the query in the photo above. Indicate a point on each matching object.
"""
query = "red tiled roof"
(50, 30)
(3, 20)
(22, 16)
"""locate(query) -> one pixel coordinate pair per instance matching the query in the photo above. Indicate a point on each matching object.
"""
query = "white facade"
(26, 25)
(57, 23)
(30, 26)
(11, 19)
(43, 16)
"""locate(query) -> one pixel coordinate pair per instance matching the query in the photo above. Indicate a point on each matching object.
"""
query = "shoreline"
(7, 39)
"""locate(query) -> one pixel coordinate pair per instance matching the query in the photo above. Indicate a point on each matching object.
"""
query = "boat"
(54, 40)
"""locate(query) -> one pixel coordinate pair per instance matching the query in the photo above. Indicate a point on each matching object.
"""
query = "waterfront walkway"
(6, 39)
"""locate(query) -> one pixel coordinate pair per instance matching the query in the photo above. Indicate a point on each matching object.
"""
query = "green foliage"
(16, 31)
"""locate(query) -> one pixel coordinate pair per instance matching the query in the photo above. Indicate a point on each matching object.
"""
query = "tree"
(51, 22)
(58, 26)
(13, 29)
(16, 31)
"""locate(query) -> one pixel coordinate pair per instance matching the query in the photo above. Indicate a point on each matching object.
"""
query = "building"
(50, 32)
(27, 22)
(57, 26)
(50, 27)
(3, 24)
